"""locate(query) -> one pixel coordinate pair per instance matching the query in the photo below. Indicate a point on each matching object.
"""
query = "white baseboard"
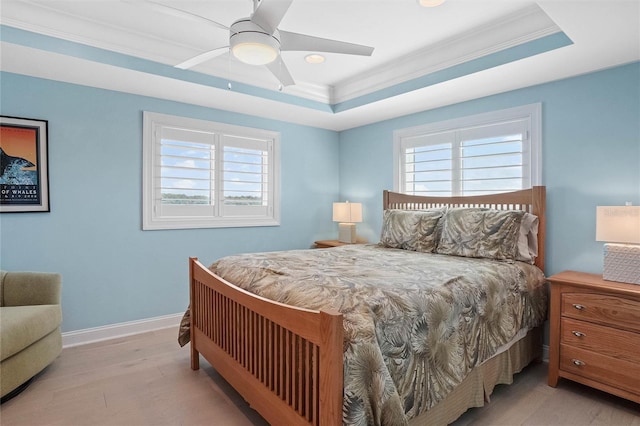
(112, 331)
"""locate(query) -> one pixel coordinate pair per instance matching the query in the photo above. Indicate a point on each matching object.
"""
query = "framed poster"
(24, 174)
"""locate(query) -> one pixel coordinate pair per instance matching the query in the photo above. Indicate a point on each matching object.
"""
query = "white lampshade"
(618, 224)
(347, 212)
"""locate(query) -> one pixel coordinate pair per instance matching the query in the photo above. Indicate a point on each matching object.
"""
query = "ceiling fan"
(256, 40)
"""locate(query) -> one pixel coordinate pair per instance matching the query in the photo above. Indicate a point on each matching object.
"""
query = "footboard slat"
(287, 366)
(285, 361)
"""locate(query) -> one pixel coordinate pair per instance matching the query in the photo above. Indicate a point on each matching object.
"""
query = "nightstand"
(331, 243)
(594, 333)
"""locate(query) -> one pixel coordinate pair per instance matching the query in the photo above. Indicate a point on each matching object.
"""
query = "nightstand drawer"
(602, 308)
(600, 368)
(607, 341)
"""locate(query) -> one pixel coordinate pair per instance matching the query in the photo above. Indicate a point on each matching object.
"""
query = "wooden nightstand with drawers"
(595, 333)
(331, 243)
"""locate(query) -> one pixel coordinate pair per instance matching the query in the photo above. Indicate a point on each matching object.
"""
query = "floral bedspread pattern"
(415, 323)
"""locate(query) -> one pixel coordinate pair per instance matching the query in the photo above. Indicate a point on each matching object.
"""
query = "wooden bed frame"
(285, 361)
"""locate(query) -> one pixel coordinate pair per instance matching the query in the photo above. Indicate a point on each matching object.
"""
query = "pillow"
(528, 239)
(415, 230)
(479, 232)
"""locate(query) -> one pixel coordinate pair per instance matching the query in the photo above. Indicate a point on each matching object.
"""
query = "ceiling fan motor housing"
(253, 45)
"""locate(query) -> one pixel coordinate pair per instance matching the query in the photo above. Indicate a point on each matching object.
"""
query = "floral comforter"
(415, 323)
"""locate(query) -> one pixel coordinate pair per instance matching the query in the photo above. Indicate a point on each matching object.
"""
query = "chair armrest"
(31, 288)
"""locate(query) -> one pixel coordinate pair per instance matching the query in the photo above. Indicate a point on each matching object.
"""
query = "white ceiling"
(409, 41)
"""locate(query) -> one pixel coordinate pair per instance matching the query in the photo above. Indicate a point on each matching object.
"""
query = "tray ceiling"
(423, 58)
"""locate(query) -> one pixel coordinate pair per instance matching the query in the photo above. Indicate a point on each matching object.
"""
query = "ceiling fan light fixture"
(254, 53)
(430, 3)
(314, 58)
(251, 45)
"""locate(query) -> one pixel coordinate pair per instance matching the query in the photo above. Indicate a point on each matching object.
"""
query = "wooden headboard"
(531, 200)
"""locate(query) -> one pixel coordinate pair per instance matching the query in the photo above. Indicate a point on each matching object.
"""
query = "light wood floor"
(146, 380)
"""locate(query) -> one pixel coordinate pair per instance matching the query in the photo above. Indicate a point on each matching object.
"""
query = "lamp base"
(347, 233)
(622, 263)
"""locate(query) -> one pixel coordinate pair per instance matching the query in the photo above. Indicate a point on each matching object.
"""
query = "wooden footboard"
(285, 361)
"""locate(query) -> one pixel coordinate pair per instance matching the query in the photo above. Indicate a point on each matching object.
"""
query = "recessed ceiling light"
(430, 3)
(314, 58)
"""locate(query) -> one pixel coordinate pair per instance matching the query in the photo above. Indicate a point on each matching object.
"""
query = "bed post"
(385, 199)
(539, 207)
(195, 356)
(331, 368)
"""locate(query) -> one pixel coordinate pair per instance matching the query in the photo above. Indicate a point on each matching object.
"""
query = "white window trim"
(531, 112)
(151, 221)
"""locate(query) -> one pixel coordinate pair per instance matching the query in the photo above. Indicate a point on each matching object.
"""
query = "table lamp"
(619, 228)
(347, 214)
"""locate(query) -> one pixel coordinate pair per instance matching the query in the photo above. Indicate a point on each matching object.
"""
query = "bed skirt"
(476, 388)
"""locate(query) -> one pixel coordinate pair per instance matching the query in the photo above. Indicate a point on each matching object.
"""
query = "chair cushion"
(31, 288)
(20, 326)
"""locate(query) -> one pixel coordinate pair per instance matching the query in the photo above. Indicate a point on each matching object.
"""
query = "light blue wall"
(113, 271)
(591, 156)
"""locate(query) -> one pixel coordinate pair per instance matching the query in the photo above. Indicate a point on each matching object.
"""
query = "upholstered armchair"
(30, 319)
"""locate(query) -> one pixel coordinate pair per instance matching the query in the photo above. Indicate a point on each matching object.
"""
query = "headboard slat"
(532, 200)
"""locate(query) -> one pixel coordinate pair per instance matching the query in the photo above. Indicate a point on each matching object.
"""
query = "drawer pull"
(578, 333)
(578, 362)
(578, 307)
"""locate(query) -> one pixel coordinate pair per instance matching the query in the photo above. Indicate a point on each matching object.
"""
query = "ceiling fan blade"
(174, 11)
(269, 13)
(203, 57)
(295, 41)
(279, 69)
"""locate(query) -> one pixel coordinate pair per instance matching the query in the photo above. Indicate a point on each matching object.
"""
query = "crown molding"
(127, 42)
(312, 91)
(526, 25)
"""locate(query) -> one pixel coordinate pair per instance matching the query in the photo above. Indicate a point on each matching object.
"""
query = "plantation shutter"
(429, 164)
(475, 160)
(185, 184)
(493, 158)
(200, 174)
(245, 176)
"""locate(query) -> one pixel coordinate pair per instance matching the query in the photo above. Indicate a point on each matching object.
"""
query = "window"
(487, 153)
(201, 174)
